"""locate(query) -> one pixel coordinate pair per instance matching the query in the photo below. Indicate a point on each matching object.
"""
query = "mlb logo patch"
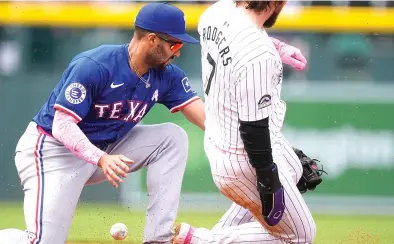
(186, 84)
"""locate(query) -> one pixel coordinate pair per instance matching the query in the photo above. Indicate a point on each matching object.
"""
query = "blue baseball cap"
(164, 18)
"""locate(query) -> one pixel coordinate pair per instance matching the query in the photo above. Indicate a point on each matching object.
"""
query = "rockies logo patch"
(265, 101)
(75, 93)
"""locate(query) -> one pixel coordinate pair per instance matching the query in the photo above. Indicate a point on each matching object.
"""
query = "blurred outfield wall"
(340, 109)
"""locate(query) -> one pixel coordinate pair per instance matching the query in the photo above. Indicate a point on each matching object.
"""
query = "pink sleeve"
(66, 130)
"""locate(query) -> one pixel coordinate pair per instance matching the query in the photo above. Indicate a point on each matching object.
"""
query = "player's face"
(164, 50)
(277, 8)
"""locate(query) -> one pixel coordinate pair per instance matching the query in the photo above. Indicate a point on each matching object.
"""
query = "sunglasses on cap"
(175, 46)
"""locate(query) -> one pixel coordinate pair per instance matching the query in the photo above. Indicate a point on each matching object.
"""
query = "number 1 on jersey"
(213, 64)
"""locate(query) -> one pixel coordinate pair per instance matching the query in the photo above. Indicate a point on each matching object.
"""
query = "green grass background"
(92, 222)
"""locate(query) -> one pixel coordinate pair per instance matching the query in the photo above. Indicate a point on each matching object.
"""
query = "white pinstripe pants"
(243, 222)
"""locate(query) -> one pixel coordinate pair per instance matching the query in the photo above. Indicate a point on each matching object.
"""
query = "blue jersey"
(99, 89)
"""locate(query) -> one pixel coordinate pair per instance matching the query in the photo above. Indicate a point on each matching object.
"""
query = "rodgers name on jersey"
(215, 35)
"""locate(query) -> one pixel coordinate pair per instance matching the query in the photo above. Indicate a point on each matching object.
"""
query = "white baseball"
(118, 231)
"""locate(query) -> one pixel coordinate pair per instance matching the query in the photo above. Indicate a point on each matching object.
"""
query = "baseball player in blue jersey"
(88, 130)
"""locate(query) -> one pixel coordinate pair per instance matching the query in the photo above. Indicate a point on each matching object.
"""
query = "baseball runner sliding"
(252, 164)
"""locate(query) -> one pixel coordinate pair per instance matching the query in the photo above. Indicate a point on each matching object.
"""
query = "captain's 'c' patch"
(75, 93)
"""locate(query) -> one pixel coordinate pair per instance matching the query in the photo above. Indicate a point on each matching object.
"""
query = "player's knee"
(312, 233)
(175, 132)
(307, 234)
(177, 138)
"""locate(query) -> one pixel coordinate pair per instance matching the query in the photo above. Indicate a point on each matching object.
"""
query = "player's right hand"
(272, 195)
(114, 167)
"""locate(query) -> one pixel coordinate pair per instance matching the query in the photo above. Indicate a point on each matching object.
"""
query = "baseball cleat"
(183, 234)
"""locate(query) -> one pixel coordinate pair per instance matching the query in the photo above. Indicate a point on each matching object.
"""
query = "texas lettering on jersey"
(128, 111)
(137, 110)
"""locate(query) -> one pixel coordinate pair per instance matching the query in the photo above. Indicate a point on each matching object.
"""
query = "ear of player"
(271, 194)
(311, 175)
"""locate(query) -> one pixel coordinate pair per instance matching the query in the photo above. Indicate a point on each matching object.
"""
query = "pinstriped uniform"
(242, 79)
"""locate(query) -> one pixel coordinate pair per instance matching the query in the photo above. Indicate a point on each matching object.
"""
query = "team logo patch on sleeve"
(75, 93)
(186, 84)
(265, 101)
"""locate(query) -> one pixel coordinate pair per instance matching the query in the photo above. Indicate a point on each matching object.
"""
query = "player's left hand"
(311, 175)
(290, 55)
(272, 194)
